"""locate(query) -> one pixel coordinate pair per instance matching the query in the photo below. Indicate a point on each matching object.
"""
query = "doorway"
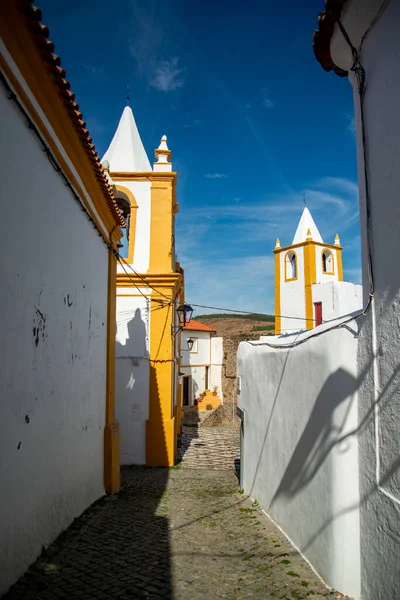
(317, 313)
(207, 378)
(186, 391)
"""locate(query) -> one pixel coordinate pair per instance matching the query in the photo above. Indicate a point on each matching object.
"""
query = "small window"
(125, 210)
(327, 262)
(291, 265)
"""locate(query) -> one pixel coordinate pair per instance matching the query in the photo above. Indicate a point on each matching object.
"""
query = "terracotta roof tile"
(40, 34)
(196, 326)
(323, 35)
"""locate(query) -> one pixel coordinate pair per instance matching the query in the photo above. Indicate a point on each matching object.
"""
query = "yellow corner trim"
(277, 294)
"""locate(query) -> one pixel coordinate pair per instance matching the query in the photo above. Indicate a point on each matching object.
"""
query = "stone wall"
(226, 414)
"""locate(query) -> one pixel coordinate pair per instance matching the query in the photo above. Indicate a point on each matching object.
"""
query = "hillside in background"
(231, 325)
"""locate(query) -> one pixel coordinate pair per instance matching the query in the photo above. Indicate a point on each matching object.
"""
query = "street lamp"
(185, 314)
(190, 344)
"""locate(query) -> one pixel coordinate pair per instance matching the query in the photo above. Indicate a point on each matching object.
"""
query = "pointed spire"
(306, 229)
(126, 153)
(278, 243)
(337, 240)
(163, 154)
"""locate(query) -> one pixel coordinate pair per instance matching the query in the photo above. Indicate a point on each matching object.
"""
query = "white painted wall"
(299, 453)
(338, 298)
(379, 347)
(293, 295)
(194, 363)
(132, 375)
(142, 192)
(201, 353)
(53, 352)
(207, 352)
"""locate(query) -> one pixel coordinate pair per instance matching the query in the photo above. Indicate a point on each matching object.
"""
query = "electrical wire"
(31, 125)
(360, 74)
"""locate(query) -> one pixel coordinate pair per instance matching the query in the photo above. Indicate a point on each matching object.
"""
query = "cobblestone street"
(210, 447)
(176, 533)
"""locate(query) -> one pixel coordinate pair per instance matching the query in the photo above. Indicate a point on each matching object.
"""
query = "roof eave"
(323, 35)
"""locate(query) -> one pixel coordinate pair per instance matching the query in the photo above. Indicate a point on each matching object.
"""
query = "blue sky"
(252, 120)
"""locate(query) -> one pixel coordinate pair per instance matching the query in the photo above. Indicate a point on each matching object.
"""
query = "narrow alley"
(182, 533)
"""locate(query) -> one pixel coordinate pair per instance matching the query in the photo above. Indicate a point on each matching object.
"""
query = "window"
(290, 266)
(327, 262)
(125, 209)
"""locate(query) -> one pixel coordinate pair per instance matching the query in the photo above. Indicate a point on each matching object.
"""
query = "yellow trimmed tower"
(298, 268)
(149, 287)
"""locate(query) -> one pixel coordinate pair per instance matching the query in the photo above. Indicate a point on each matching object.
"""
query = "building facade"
(298, 398)
(149, 289)
(201, 365)
(309, 286)
(59, 231)
(359, 39)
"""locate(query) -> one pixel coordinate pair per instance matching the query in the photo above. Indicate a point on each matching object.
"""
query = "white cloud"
(216, 176)
(167, 75)
(150, 50)
(268, 103)
(215, 282)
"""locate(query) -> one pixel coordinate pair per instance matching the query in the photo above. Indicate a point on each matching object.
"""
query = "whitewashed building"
(321, 428)
(58, 231)
(360, 39)
(298, 392)
(201, 363)
(309, 286)
(149, 290)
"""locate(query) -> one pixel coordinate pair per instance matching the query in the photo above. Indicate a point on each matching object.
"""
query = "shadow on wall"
(132, 386)
(135, 345)
(322, 433)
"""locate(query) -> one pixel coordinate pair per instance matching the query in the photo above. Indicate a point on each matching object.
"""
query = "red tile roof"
(323, 35)
(196, 326)
(40, 34)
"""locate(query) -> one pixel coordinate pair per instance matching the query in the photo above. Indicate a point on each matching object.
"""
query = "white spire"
(126, 153)
(163, 156)
(306, 229)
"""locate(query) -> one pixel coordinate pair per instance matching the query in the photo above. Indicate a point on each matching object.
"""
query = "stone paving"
(210, 447)
(180, 533)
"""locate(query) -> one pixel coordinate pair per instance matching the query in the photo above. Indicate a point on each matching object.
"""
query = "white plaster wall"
(142, 192)
(292, 295)
(202, 356)
(379, 347)
(299, 453)
(53, 352)
(217, 359)
(338, 298)
(132, 376)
